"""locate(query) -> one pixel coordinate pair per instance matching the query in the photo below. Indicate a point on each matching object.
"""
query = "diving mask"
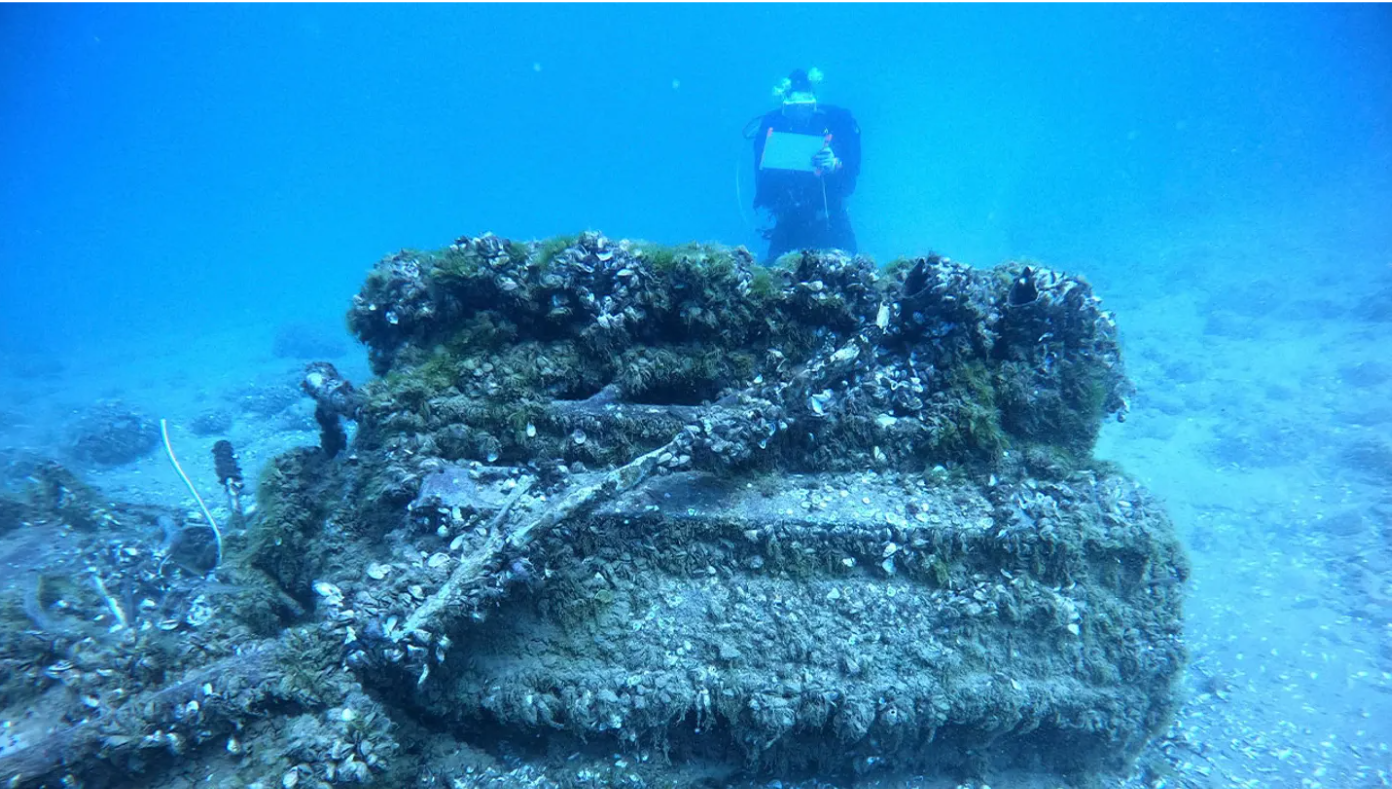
(799, 104)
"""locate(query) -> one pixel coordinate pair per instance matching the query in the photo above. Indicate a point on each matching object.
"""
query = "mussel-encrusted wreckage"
(730, 522)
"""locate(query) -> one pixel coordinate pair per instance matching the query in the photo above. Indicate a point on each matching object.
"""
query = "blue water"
(179, 181)
(172, 168)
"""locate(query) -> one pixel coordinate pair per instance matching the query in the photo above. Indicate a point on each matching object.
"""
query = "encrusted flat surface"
(819, 620)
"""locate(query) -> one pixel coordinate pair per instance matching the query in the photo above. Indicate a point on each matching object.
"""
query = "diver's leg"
(782, 240)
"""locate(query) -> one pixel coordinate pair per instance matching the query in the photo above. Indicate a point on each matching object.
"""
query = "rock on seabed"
(730, 522)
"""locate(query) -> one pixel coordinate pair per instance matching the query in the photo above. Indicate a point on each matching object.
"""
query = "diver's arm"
(845, 141)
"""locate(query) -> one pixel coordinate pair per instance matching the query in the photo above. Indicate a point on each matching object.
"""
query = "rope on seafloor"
(169, 448)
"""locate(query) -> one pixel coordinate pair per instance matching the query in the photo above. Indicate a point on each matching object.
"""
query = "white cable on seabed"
(168, 447)
(116, 610)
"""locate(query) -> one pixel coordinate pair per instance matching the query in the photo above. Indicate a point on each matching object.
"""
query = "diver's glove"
(826, 161)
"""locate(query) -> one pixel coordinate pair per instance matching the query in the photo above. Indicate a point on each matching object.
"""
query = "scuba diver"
(806, 159)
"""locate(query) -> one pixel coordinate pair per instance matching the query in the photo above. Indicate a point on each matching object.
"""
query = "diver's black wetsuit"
(803, 220)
